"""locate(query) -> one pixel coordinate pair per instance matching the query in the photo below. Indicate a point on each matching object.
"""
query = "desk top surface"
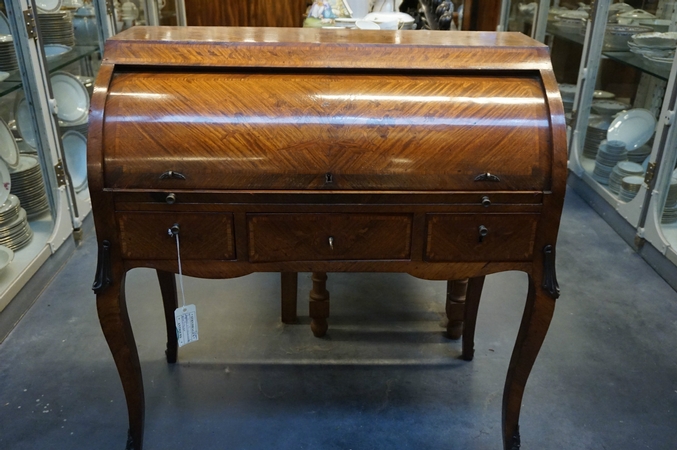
(318, 48)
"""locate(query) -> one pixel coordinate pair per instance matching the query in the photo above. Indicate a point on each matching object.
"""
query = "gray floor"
(383, 378)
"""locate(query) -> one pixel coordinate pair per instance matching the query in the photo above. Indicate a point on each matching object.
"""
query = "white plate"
(48, 6)
(609, 107)
(26, 162)
(603, 95)
(24, 122)
(634, 127)
(71, 97)
(5, 182)
(54, 50)
(6, 257)
(9, 152)
(367, 25)
(75, 149)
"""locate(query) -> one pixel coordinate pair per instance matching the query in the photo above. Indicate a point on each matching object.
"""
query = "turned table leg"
(112, 311)
(472, 304)
(289, 289)
(170, 302)
(455, 307)
(535, 322)
(319, 304)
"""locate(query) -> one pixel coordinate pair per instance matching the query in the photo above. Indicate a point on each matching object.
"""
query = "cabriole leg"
(538, 312)
(319, 304)
(289, 289)
(170, 302)
(112, 310)
(455, 307)
(472, 304)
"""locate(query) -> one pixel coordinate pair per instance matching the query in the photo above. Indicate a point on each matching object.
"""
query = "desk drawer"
(456, 237)
(318, 237)
(202, 235)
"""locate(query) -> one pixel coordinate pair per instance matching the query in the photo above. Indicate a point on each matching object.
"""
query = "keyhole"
(483, 231)
(328, 178)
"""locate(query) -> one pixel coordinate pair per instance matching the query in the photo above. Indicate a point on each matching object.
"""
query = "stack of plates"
(28, 185)
(639, 154)
(57, 28)
(622, 170)
(80, 126)
(629, 187)
(8, 60)
(607, 158)
(670, 210)
(15, 233)
(593, 138)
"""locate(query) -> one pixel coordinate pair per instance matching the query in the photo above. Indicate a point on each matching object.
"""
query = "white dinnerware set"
(670, 209)
(620, 150)
(15, 232)
(656, 47)
(56, 25)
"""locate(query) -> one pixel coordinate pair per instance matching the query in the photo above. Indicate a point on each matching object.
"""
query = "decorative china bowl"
(616, 37)
(634, 16)
(656, 39)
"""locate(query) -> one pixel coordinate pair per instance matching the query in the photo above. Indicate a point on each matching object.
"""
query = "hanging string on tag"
(178, 255)
(186, 315)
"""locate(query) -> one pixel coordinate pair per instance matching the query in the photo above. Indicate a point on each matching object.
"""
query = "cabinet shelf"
(13, 82)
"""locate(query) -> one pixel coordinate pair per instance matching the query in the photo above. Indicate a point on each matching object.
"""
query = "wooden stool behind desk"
(462, 303)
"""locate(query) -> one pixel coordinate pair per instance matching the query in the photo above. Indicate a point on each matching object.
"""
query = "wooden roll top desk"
(441, 155)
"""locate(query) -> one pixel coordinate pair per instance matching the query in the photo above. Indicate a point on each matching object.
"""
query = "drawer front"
(456, 237)
(323, 237)
(202, 235)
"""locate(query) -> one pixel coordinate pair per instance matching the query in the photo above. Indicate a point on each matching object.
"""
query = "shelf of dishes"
(645, 57)
(11, 81)
(617, 149)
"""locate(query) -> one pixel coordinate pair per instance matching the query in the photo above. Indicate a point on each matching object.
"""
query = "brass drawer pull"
(173, 175)
(485, 201)
(171, 198)
(487, 177)
(483, 231)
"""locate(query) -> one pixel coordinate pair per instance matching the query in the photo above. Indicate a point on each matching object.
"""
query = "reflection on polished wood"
(295, 150)
(245, 13)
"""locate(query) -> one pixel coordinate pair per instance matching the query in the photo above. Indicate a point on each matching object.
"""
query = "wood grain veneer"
(441, 155)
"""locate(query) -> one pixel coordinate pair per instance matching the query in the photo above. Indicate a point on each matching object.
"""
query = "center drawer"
(318, 237)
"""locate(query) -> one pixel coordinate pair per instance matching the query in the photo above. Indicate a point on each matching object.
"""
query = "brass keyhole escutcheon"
(331, 242)
(483, 231)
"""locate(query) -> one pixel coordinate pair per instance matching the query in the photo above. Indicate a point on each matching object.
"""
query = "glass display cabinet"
(619, 103)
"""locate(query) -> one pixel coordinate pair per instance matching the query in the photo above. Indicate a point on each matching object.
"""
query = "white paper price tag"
(186, 324)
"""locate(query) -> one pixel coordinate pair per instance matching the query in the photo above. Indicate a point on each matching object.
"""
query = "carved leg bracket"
(103, 277)
(549, 274)
(319, 304)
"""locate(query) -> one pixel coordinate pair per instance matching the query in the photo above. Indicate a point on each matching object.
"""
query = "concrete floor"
(383, 378)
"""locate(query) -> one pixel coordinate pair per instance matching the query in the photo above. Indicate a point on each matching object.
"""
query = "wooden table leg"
(472, 304)
(319, 304)
(455, 307)
(289, 289)
(535, 322)
(112, 309)
(170, 302)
